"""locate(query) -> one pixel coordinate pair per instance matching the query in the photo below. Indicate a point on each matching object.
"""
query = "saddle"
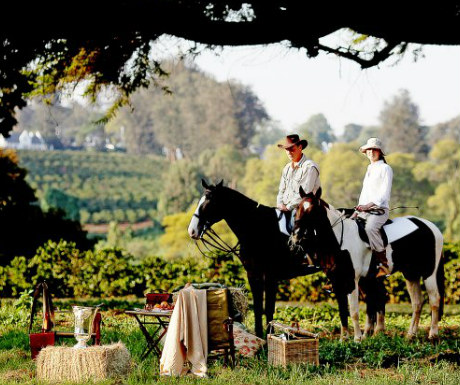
(361, 223)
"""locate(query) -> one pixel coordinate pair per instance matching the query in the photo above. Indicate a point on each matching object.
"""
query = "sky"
(294, 87)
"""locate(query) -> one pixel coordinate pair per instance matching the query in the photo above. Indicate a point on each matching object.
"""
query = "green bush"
(108, 272)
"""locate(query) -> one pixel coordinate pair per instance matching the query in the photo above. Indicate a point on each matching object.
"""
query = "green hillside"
(99, 187)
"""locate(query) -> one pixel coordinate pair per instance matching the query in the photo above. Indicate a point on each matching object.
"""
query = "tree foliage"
(351, 132)
(23, 224)
(400, 126)
(317, 130)
(199, 113)
(443, 170)
(181, 185)
(226, 163)
(408, 188)
(115, 49)
(445, 130)
(342, 173)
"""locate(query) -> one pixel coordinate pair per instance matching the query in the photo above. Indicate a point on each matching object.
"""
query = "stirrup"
(327, 288)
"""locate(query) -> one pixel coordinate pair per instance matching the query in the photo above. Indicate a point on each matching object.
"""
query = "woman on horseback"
(374, 201)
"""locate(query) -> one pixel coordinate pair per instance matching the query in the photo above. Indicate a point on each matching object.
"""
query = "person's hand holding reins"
(282, 207)
(365, 207)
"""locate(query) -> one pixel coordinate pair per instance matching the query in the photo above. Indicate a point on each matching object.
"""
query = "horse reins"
(214, 241)
(335, 223)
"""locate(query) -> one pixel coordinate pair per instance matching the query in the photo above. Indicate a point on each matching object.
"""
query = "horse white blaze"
(306, 205)
(193, 226)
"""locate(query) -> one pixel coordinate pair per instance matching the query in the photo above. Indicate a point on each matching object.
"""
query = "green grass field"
(384, 359)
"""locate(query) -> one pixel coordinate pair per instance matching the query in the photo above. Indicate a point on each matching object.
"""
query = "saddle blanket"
(398, 228)
(282, 222)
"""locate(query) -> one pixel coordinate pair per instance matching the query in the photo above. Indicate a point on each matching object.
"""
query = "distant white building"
(24, 140)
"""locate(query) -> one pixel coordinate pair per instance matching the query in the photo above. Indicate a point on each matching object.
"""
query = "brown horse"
(264, 250)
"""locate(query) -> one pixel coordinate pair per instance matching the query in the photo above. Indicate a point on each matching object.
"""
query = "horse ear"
(302, 192)
(204, 184)
(318, 193)
(220, 184)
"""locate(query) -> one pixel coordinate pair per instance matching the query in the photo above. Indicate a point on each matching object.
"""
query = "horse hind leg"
(381, 299)
(435, 304)
(369, 297)
(415, 293)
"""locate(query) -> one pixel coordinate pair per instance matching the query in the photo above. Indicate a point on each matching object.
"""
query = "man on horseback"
(373, 205)
(299, 172)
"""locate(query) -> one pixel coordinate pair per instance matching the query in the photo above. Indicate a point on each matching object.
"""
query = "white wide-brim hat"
(372, 143)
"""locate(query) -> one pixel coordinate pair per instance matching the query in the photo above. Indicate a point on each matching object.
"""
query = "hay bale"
(62, 363)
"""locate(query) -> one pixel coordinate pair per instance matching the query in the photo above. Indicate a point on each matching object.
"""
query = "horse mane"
(248, 202)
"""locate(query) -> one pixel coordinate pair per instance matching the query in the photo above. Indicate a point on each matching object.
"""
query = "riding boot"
(381, 257)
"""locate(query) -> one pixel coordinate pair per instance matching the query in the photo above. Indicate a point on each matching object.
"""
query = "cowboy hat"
(372, 143)
(292, 140)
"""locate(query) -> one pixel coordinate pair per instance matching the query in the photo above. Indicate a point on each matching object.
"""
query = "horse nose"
(193, 233)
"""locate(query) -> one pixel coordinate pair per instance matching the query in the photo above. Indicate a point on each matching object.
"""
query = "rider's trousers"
(373, 225)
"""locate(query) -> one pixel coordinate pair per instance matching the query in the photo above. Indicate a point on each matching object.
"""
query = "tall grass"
(384, 359)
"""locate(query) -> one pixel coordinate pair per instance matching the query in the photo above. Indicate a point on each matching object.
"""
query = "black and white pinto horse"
(325, 234)
(264, 250)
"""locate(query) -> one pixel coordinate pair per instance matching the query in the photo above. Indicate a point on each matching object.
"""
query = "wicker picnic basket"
(293, 346)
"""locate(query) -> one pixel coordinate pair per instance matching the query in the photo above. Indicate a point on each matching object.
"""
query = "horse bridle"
(214, 241)
(303, 238)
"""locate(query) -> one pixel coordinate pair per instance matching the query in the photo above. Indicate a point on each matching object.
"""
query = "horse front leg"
(375, 298)
(341, 296)
(256, 285)
(343, 313)
(353, 300)
(271, 288)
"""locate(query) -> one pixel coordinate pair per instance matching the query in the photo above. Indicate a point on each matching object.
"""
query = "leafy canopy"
(114, 47)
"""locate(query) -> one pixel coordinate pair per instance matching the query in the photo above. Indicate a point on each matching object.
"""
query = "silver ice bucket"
(84, 319)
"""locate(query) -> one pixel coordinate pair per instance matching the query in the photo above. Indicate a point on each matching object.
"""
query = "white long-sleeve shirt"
(377, 185)
(305, 173)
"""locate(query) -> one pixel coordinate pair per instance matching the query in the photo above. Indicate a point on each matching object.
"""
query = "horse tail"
(441, 284)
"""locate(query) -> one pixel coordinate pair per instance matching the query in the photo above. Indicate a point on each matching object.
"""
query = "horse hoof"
(433, 338)
(358, 339)
(379, 331)
(368, 333)
(410, 336)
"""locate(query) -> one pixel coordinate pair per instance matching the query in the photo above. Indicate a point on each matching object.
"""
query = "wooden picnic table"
(160, 320)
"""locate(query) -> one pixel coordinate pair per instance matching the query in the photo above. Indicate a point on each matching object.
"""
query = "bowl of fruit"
(164, 305)
(158, 301)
